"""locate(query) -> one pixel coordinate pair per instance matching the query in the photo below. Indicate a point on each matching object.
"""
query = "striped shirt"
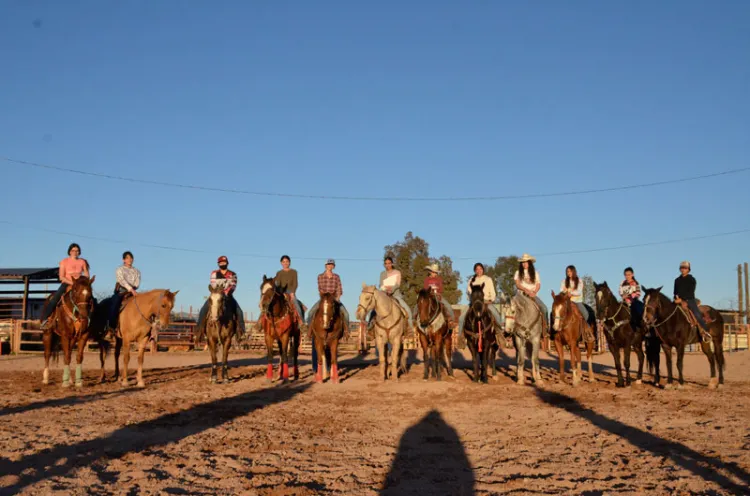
(228, 280)
(330, 284)
(128, 277)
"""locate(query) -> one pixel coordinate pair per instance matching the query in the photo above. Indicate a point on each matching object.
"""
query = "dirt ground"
(182, 435)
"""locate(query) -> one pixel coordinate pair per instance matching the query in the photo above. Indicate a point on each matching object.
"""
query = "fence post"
(16, 338)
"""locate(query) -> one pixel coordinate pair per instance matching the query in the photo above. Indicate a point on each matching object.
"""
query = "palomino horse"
(390, 326)
(279, 325)
(480, 334)
(434, 334)
(328, 326)
(570, 326)
(670, 323)
(620, 335)
(221, 326)
(524, 322)
(143, 313)
(70, 327)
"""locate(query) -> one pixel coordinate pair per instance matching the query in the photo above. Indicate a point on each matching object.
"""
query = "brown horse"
(570, 326)
(221, 326)
(434, 334)
(140, 315)
(671, 325)
(280, 325)
(70, 326)
(327, 327)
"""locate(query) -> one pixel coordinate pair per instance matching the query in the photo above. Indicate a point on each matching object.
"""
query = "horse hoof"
(141, 385)
(66, 384)
(679, 386)
(269, 380)
(539, 382)
(620, 385)
(79, 384)
(638, 381)
(45, 383)
(212, 380)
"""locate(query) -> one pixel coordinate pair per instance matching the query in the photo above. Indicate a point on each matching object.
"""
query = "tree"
(589, 292)
(502, 273)
(411, 256)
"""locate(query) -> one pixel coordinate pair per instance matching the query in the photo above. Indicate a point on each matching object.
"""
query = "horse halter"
(367, 309)
(87, 304)
(432, 300)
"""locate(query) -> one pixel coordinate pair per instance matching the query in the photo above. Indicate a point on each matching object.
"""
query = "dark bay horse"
(279, 325)
(221, 326)
(621, 336)
(328, 326)
(570, 326)
(70, 327)
(434, 333)
(673, 328)
(480, 334)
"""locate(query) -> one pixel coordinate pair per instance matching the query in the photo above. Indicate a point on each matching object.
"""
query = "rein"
(74, 314)
(365, 310)
(616, 323)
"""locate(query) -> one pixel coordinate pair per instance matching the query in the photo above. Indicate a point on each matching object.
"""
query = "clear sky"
(390, 98)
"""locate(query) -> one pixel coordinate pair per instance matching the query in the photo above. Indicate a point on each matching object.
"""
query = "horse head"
(82, 297)
(604, 296)
(328, 305)
(560, 308)
(652, 304)
(163, 311)
(216, 300)
(476, 301)
(428, 307)
(366, 301)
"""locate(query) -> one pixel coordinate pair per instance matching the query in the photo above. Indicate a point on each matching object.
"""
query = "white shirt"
(527, 283)
(576, 294)
(489, 287)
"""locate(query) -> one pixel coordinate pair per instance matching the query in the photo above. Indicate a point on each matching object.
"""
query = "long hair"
(573, 278)
(625, 281)
(522, 272)
(474, 277)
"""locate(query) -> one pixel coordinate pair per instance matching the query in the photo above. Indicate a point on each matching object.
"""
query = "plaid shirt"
(330, 285)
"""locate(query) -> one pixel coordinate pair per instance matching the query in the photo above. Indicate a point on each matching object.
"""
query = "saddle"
(690, 316)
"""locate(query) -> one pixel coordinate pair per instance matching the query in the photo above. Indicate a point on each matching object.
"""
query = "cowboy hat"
(527, 258)
(433, 268)
(685, 264)
(331, 261)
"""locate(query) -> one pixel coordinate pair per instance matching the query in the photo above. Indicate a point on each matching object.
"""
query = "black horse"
(671, 325)
(480, 334)
(623, 334)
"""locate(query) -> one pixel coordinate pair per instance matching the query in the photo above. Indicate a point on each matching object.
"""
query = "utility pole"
(740, 299)
(747, 298)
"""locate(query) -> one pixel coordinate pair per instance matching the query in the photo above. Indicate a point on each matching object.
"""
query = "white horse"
(524, 321)
(390, 326)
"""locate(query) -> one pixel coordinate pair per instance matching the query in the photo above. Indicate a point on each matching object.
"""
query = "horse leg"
(335, 361)
(520, 360)
(47, 339)
(380, 343)
(225, 350)
(437, 352)
(575, 364)
(638, 348)
(326, 364)
(320, 348)
(395, 354)
(79, 360)
(590, 354)
(269, 355)
(212, 345)
(618, 363)
(284, 344)
(535, 369)
(295, 354)
(141, 354)
(448, 354)
(560, 357)
(118, 349)
(425, 355)
(668, 357)
(66, 345)
(719, 352)
(680, 356)
(706, 348)
(474, 357)
(102, 356)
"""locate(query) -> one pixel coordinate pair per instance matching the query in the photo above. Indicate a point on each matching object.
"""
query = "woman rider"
(630, 292)
(490, 295)
(528, 281)
(71, 268)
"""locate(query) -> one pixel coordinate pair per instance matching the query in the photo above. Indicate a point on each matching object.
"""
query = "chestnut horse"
(328, 327)
(280, 325)
(143, 313)
(70, 326)
(570, 326)
(480, 334)
(434, 334)
(671, 325)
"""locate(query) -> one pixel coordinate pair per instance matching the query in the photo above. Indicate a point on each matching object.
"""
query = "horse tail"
(653, 353)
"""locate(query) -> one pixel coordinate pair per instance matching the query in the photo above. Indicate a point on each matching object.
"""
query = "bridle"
(368, 308)
(75, 314)
(654, 310)
(433, 301)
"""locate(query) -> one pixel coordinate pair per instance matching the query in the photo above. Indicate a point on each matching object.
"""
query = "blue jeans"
(114, 309)
(693, 305)
(636, 313)
(493, 311)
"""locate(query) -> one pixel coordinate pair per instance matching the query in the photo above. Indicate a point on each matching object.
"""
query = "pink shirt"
(73, 267)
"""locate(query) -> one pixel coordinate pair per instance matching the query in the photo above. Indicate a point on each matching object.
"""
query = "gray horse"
(390, 325)
(524, 321)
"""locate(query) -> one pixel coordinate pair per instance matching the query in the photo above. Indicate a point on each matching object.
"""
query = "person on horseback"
(684, 290)
(434, 282)
(71, 268)
(630, 292)
(128, 279)
(528, 281)
(573, 285)
(228, 280)
(390, 283)
(328, 282)
(490, 295)
(287, 278)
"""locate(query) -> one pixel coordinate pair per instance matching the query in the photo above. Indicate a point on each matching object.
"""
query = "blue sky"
(394, 99)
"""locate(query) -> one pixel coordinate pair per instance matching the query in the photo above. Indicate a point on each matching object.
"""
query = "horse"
(525, 323)
(279, 325)
(328, 326)
(570, 326)
(70, 327)
(390, 326)
(480, 334)
(620, 334)
(434, 333)
(143, 313)
(221, 327)
(673, 327)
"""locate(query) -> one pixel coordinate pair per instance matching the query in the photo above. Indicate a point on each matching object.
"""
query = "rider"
(573, 285)
(128, 280)
(392, 277)
(71, 268)
(228, 280)
(630, 292)
(328, 282)
(435, 283)
(287, 278)
(684, 290)
(528, 281)
(490, 295)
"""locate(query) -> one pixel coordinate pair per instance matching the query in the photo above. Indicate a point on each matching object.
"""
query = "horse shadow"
(64, 401)
(430, 460)
(728, 475)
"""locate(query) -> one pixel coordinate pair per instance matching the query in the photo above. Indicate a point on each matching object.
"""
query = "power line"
(354, 259)
(377, 198)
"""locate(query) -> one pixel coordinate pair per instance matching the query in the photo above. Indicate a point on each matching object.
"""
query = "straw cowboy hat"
(527, 258)
(433, 268)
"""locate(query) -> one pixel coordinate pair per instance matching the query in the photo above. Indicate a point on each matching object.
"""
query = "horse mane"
(423, 293)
